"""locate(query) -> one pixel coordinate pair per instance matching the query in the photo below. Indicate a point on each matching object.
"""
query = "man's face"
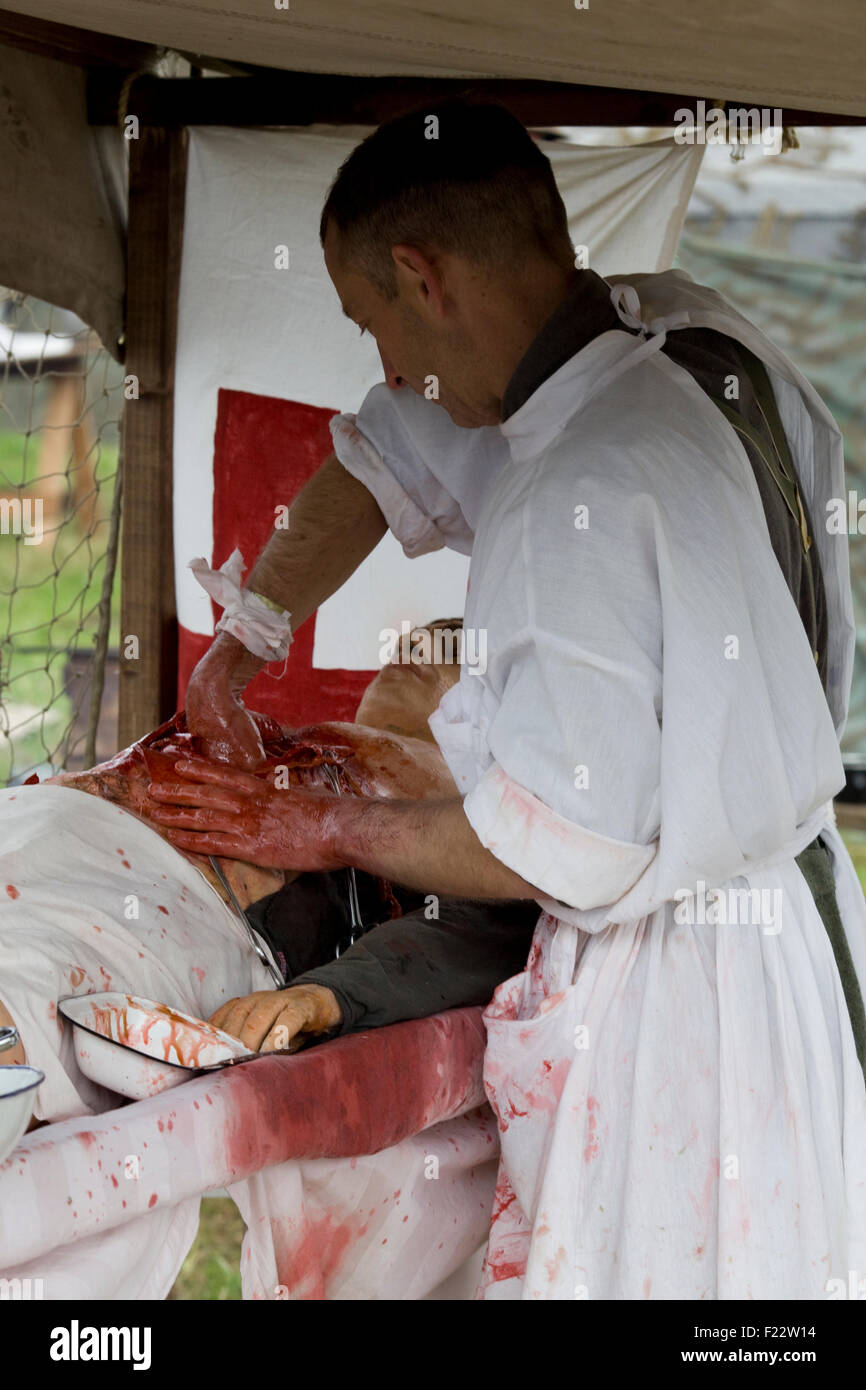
(417, 338)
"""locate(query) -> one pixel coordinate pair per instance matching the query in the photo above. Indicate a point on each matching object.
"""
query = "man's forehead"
(350, 290)
(357, 296)
(333, 260)
(353, 288)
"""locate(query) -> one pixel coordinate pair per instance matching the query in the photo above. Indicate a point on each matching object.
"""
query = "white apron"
(682, 1112)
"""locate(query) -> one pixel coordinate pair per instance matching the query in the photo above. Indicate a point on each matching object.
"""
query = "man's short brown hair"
(480, 188)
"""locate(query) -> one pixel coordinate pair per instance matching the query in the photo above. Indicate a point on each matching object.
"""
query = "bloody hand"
(223, 811)
(214, 709)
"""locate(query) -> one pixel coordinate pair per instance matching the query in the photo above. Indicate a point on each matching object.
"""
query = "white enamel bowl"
(137, 1047)
(18, 1087)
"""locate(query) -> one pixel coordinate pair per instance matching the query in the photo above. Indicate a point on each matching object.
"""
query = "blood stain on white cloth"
(553, 1265)
(12, 891)
(591, 1150)
(702, 1206)
(306, 1265)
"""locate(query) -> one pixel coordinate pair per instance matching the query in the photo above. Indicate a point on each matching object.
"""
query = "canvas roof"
(773, 52)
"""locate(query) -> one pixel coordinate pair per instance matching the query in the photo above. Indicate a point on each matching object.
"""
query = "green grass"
(855, 843)
(211, 1270)
(49, 595)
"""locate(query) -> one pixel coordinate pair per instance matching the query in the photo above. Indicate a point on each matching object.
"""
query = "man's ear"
(419, 279)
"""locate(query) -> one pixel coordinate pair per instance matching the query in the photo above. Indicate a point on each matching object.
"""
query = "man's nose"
(392, 377)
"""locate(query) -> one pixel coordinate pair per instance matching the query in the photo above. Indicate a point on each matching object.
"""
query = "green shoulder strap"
(814, 862)
(781, 468)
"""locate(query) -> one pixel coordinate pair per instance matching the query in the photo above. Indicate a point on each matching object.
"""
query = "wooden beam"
(68, 44)
(148, 680)
(300, 98)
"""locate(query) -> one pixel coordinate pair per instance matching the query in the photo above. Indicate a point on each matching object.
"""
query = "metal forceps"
(254, 940)
(357, 928)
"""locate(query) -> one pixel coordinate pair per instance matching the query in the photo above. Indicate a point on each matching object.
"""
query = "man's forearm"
(334, 524)
(427, 845)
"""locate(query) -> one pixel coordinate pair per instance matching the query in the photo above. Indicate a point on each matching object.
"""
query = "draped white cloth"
(682, 1113)
(101, 902)
(106, 1205)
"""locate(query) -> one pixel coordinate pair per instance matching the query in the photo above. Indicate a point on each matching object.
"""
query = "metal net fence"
(61, 398)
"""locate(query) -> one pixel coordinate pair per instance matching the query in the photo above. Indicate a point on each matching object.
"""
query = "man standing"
(651, 751)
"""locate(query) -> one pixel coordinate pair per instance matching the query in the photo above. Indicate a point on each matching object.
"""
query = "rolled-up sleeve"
(573, 866)
(421, 468)
(414, 530)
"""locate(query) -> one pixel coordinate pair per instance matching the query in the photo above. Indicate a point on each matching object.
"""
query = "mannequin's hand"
(279, 1020)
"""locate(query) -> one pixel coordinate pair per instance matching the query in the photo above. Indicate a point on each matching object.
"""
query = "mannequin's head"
(401, 698)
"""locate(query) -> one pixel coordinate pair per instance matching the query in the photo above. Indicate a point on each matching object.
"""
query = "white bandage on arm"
(262, 626)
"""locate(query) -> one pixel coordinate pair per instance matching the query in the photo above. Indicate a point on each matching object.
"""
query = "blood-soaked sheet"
(105, 1205)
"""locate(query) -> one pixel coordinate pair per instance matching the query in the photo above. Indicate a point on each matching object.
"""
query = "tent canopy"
(774, 53)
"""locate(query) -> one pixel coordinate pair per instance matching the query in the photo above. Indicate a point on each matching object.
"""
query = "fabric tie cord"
(626, 295)
(263, 630)
(624, 299)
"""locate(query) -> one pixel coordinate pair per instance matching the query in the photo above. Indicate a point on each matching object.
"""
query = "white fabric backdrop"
(247, 326)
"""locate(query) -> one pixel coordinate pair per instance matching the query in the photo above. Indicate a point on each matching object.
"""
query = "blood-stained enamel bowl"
(138, 1047)
(18, 1087)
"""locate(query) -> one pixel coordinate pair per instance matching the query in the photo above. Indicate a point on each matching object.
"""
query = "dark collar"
(585, 312)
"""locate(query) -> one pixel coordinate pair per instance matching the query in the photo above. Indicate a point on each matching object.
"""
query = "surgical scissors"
(357, 927)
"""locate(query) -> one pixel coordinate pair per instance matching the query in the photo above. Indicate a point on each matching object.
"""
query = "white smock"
(681, 1108)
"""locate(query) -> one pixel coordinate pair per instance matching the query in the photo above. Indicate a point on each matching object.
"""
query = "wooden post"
(148, 679)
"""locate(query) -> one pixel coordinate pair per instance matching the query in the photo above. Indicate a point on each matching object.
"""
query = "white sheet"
(72, 863)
